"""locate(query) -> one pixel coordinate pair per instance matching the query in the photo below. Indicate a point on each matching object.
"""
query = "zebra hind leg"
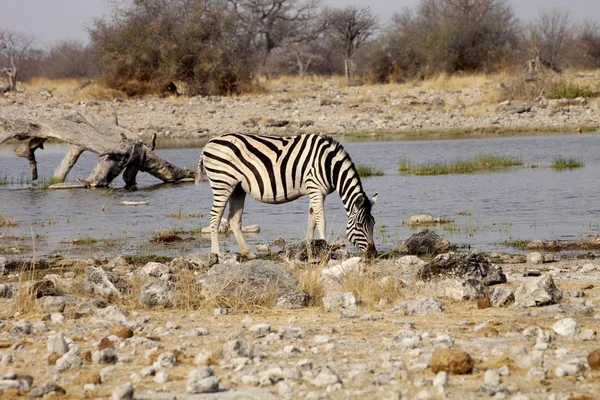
(236, 209)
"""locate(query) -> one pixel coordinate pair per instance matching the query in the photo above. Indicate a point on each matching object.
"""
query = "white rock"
(491, 377)
(124, 391)
(441, 380)
(165, 360)
(260, 330)
(336, 300)
(535, 258)
(57, 344)
(161, 376)
(566, 327)
(326, 378)
(202, 380)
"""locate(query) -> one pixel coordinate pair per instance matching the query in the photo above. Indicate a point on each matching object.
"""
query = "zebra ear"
(374, 199)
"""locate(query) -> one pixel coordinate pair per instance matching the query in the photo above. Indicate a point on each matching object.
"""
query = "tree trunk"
(118, 149)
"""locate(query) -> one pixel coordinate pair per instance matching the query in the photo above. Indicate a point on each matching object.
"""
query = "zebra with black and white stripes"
(278, 170)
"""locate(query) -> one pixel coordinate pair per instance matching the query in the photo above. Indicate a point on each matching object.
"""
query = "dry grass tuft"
(370, 289)
(308, 277)
(188, 296)
(462, 81)
(97, 92)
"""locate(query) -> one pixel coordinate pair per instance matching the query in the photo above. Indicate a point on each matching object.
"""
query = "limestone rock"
(336, 300)
(202, 380)
(157, 293)
(539, 292)
(426, 242)
(502, 296)
(293, 300)
(319, 251)
(247, 279)
(462, 266)
(421, 306)
(103, 283)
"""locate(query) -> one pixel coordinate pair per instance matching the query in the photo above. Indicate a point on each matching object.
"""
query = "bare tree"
(588, 41)
(13, 48)
(274, 21)
(350, 28)
(302, 44)
(550, 37)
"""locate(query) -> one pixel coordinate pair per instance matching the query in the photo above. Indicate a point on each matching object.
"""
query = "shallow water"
(520, 202)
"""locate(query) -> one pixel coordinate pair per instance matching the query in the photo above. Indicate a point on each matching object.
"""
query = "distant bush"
(445, 36)
(155, 42)
(567, 90)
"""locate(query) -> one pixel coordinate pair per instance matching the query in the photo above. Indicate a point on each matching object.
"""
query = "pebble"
(124, 391)
(202, 380)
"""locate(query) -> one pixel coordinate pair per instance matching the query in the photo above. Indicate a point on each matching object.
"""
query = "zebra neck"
(349, 188)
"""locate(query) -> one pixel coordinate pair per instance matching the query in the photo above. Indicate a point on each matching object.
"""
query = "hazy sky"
(53, 20)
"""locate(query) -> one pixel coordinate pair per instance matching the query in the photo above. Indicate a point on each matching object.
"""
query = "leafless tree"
(550, 37)
(274, 21)
(588, 40)
(13, 48)
(301, 45)
(350, 28)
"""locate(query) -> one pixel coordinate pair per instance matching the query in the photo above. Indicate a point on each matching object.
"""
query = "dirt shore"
(452, 107)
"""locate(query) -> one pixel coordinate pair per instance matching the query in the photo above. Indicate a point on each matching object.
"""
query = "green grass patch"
(568, 90)
(366, 171)
(482, 162)
(561, 162)
(517, 243)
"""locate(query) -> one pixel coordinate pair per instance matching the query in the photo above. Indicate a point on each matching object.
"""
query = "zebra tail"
(199, 172)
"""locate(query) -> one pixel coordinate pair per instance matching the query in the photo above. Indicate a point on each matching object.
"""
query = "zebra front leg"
(317, 205)
(236, 209)
(220, 198)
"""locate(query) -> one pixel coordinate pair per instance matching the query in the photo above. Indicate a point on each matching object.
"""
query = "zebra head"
(360, 225)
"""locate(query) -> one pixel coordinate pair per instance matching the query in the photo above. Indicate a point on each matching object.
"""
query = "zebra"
(278, 170)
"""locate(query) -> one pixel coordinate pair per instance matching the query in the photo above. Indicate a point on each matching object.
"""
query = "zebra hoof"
(248, 255)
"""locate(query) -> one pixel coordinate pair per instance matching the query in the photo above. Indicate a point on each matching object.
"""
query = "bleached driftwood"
(119, 150)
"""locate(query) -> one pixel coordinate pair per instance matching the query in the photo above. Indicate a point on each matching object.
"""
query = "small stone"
(336, 300)
(106, 356)
(122, 332)
(220, 311)
(161, 376)
(348, 313)
(421, 306)
(491, 377)
(535, 258)
(106, 343)
(502, 296)
(326, 378)
(123, 392)
(539, 292)
(46, 389)
(441, 380)
(566, 327)
(57, 344)
(166, 360)
(452, 361)
(293, 300)
(202, 380)
(593, 360)
(260, 330)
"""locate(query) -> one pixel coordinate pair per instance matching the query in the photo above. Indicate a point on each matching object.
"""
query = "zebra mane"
(334, 142)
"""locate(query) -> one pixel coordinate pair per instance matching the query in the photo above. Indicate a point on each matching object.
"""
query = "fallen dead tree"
(119, 150)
